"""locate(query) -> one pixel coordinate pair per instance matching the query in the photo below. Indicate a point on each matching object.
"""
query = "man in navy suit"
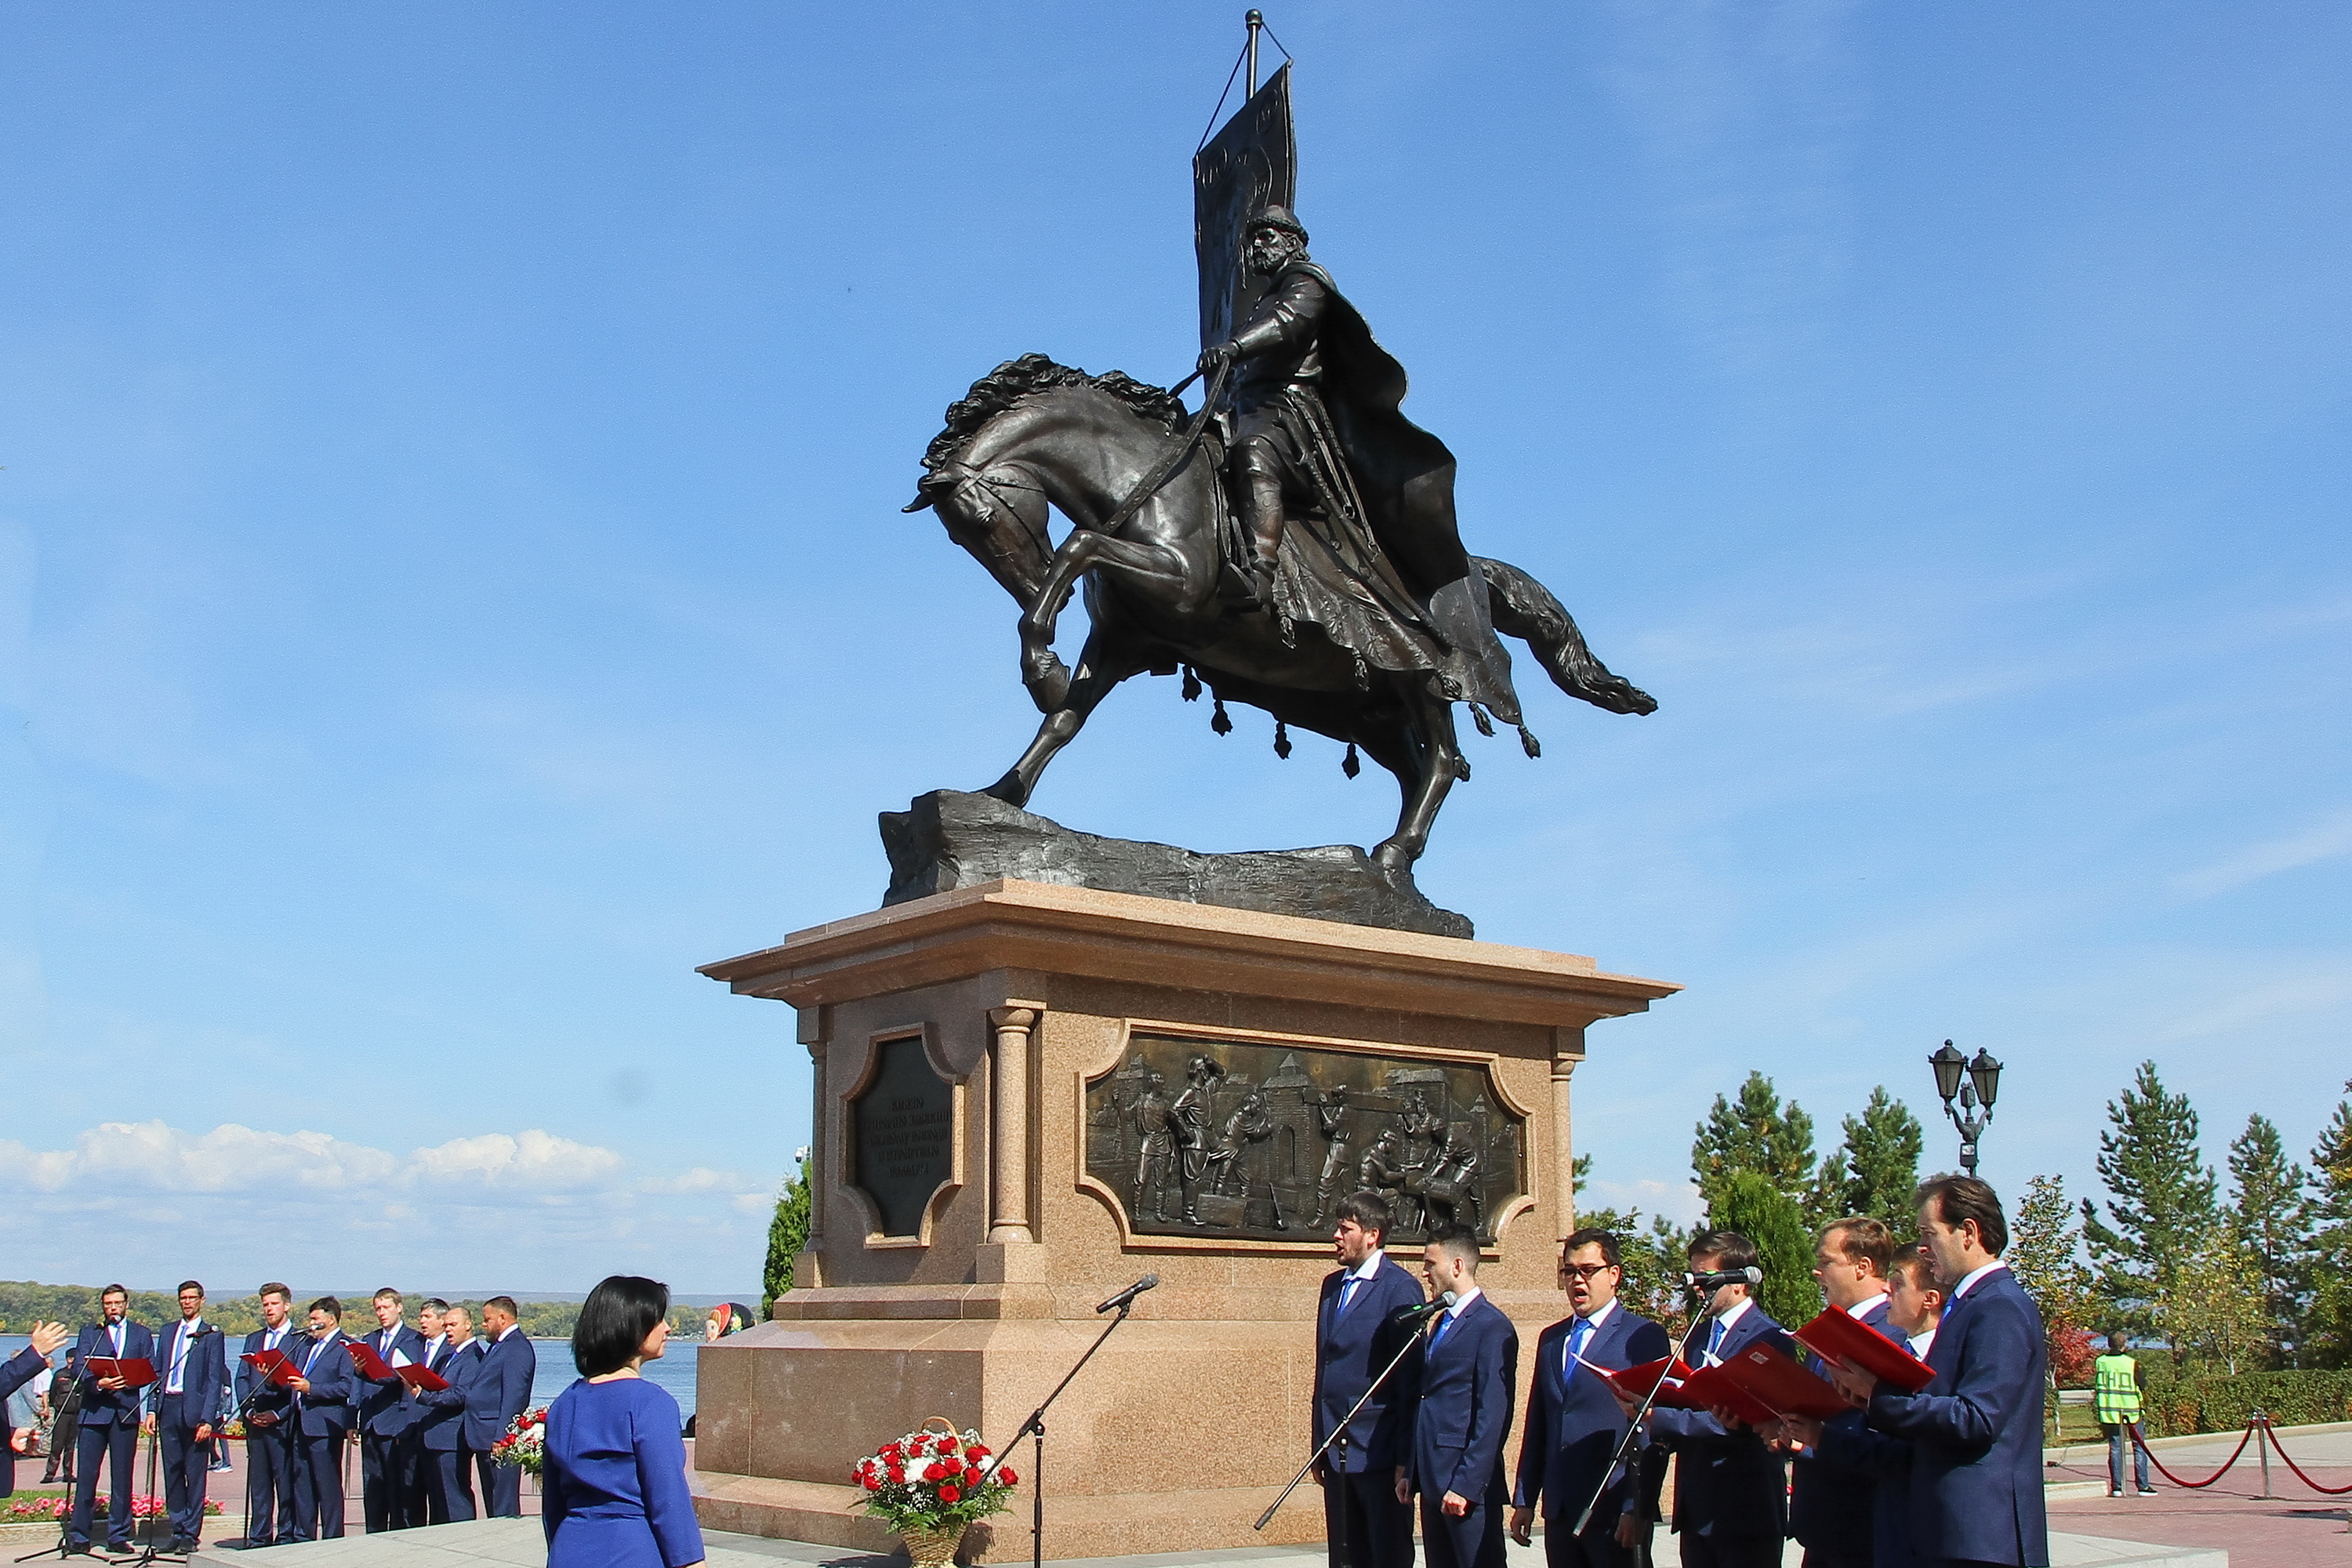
(1462, 1412)
(1731, 1491)
(269, 1447)
(442, 1433)
(110, 1422)
(387, 1420)
(1832, 1509)
(1574, 1422)
(499, 1392)
(1364, 1524)
(1976, 1431)
(323, 1422)
(191, 1397)
(17, 1370)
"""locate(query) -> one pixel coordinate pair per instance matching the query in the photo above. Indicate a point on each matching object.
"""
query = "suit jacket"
(501, 1388)
(1856, 1450)
(1832, 1508)
(274, 1399)
(443, 1424)
(385, 1408)
(326, 1410)
(1976, 1431)
(1462, 1411)
(1729, 1483)
(19, 1370)
(1574, 1423)
(1351, 1349)
(204, 1374)
(101, 1407)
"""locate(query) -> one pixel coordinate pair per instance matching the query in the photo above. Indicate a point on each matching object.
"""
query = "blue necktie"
(1715, 1341)
(1577, 1338)
(1444, 1322)
(1348, 1293)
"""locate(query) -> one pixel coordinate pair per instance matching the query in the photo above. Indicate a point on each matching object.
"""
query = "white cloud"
(118, 1157)
(2328, 839)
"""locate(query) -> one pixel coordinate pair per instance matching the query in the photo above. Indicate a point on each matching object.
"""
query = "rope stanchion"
(2141, 1444)
(2306, 1480)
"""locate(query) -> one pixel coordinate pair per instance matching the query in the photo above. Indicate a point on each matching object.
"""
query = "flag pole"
(1256, 20)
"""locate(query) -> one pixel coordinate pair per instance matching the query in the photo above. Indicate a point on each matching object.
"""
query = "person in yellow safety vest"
(2116, 1400)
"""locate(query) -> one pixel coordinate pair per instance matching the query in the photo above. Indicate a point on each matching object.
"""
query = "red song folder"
(423, 1379)
(136, 1372)
(1635, 1381)
(275, 1365)
(1837, 1338)
(372, 1366)
(1782, 1383)
(1710, 1389)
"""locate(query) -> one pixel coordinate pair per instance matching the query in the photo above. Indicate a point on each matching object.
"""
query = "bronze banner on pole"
(1252, 162)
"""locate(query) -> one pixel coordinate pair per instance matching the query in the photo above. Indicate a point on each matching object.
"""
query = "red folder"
(1710, 1389)
(1634, 1382)
(275, 1365)
(422, 1378)
(372, 1366)
(1781, 1383)
(136, 1372)
(1837, 1338)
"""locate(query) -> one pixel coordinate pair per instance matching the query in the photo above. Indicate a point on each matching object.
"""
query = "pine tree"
(2270, 1221)
(2044, 1257)
(1759, 1135)
(2328, 1341)
(2160, 1196)
(1771, 1219)
(787, 1234)
(1878, 1170)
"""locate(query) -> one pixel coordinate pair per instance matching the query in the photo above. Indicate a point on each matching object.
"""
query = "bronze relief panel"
(1237, 1138)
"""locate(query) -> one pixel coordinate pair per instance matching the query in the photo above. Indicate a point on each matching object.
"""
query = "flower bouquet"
(929, 1486)
(525, 1443)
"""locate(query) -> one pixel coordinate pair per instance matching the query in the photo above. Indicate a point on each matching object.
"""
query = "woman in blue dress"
(614, 1491)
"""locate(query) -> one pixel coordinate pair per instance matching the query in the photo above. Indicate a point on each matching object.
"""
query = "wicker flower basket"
(933, 1548)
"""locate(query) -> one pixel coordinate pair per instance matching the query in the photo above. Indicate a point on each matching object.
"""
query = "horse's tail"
(1524, 608)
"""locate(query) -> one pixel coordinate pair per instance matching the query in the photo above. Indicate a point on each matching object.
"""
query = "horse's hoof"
(1393, 861)
(1048, 682)
(1009, 790)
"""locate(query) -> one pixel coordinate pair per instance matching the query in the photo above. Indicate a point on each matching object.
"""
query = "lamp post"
(1983, 1082)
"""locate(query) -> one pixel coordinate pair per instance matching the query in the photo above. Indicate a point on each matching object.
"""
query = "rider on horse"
(1314, 422)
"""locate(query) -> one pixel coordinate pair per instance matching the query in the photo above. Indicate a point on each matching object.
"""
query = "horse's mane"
(1015, 379)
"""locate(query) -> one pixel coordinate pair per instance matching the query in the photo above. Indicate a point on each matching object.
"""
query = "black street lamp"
(1984, 1082)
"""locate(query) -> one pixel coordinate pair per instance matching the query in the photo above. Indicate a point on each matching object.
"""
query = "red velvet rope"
(2306, 1480)
(2140, 1443)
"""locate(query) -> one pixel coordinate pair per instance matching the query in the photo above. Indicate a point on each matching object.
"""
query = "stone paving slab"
(519, 1543)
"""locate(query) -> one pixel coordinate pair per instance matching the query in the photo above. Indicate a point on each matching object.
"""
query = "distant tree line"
(2255, 1277)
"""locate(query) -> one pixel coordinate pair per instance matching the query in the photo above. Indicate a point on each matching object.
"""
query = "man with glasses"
(192, 1372)
(1574, 1422)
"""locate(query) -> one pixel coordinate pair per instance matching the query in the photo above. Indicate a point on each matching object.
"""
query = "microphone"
(1750, 1276)
(1127, 1296)
(1413, 1315)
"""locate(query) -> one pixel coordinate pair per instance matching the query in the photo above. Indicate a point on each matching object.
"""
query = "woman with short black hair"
(614, 1493)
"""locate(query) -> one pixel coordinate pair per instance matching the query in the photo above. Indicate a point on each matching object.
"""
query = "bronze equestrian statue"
(1330, 588)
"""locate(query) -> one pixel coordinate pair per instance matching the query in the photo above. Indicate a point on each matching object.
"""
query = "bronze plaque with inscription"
(1231, 1139)
(900, 1125)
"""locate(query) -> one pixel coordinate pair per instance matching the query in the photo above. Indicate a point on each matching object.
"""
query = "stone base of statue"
(1030, 1095)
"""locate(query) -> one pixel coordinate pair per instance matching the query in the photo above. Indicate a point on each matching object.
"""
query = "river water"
(674, 1371)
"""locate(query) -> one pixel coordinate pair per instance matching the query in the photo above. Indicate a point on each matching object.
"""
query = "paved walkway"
(2294, 1527)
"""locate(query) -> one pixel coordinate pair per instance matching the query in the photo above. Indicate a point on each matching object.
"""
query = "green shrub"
(2174, 1407)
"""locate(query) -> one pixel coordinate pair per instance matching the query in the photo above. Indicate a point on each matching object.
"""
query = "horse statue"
(1330, 654)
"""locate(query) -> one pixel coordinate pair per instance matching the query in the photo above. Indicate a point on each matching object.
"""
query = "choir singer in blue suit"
(1575, 1424)
(1462, 1414)
(323, 1398)
(109, 1421)
(1976, 1431)
(191, 1407)
(1365, 1524)
(498, 1391)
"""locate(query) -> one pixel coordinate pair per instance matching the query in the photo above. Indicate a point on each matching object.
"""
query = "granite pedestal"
(984, 1061)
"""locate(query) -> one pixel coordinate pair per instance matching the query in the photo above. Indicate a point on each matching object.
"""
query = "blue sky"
(451, 583)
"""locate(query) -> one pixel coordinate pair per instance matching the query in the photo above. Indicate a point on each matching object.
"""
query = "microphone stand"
(1035, 1425)
(1338, 1437)
(68, 1404)
(1633, 1426)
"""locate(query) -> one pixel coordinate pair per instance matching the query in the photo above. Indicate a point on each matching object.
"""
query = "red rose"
(898, 1477)
(972, 1475)
(949, 1494)
(891, 1451)
(975, 1453)
(1004, 1473)
(935, 1471)
(868, 1482)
